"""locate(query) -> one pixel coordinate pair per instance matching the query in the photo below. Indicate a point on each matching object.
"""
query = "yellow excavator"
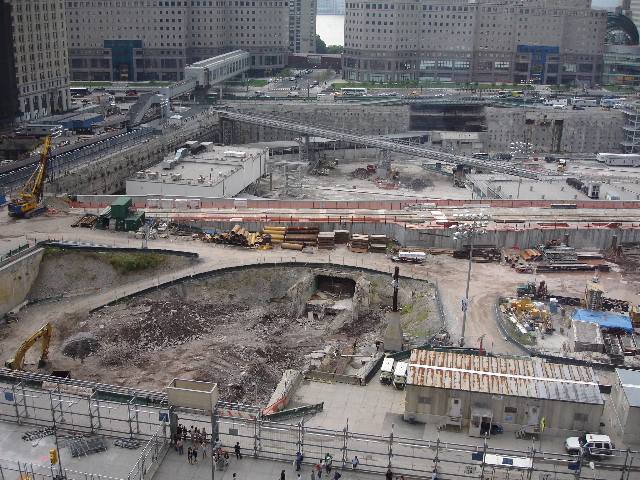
(17, 363)
(30, 202)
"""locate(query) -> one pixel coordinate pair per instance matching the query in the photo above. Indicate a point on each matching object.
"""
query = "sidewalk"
(176, 466)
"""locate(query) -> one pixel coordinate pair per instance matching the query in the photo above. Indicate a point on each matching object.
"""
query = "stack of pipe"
(276, 233)
(236, 236)
(302, 235)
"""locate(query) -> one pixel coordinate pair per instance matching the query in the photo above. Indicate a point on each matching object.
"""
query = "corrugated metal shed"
(630, 382)
(504, 376)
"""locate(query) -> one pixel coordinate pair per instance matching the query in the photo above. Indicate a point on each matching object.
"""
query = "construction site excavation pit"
(241, 329)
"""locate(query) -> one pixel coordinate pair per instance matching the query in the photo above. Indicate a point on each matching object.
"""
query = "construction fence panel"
(278, 441)
(319, 442)
(413, 455)
(372, 452)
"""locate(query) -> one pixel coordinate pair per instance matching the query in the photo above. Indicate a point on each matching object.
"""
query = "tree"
(335, 49)
(321, 47)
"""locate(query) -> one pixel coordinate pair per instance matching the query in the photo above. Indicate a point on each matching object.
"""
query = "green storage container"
(120, 224)
(120, 208)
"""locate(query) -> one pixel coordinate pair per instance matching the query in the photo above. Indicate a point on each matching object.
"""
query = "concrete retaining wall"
(17, 277)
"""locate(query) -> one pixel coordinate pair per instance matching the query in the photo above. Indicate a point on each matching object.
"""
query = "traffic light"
(53, 455)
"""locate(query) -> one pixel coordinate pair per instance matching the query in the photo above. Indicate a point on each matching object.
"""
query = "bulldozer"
(532, 291)
(17, 362)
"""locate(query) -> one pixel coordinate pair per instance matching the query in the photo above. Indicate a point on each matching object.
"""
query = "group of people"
(199, 438)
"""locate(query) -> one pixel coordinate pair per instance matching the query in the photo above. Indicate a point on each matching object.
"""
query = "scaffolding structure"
(631, 144)
(142, 418)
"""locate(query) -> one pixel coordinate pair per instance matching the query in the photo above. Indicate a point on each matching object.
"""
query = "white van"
(400, 375)
(560, 106)
(293, 93)
(386, 371)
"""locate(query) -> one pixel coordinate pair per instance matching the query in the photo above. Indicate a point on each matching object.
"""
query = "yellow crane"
(17, 363)
(29, 203)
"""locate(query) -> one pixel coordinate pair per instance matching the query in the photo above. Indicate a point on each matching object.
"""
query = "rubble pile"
(360, 174)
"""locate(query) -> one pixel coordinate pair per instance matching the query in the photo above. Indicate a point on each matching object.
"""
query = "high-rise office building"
(331, 7)
(302, 26)
(485, 41)
(155, 40)
(35, 72)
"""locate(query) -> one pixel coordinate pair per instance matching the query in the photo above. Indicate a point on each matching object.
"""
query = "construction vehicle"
(400, 375)
(386, 371)
(562, 164)
(17, 362)
(30, 202)
(530, 290)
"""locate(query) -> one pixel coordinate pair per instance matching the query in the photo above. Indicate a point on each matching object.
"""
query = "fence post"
(390, 446)
(345, 445)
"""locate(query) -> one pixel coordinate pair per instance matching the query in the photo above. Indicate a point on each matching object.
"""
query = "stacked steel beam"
(327, 240)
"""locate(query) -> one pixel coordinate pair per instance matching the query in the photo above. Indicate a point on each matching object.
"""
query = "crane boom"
(17, 363)
(31, 195)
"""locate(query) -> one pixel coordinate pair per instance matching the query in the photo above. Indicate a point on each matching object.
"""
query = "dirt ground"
(238, 329)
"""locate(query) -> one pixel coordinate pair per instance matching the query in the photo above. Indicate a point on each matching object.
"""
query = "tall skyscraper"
(155, 40)
(35, 71)
(485, 41)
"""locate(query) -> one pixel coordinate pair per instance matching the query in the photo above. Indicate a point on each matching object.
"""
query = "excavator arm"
(17, 363)
(31, 193)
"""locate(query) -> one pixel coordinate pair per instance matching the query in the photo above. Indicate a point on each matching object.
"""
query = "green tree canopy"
(321, 47)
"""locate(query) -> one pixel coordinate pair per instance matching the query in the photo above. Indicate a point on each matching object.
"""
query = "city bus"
(353, 91)
(79, 91)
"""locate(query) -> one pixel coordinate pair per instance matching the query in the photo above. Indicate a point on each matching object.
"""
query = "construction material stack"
(326, 240)
(276, 234)
(359, 243)
(378, 244)
(342, 237)
(302, 235)
(481, 253)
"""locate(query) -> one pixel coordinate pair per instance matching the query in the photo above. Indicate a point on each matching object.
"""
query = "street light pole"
(476, 226)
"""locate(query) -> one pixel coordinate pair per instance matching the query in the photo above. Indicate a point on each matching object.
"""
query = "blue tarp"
(605, 319)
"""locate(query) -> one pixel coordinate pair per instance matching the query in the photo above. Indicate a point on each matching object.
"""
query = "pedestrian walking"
(217, 445)
(313, 473)
(204, 434)
(234, 477)
(299, 458)
(434, 476)
(388, 475)
(194, 452)
(299, 477)
(226, 460)
(328, 462)
(237, 450)
(190, 456)
(191, 434)
(282, 475)
(336, 476)
(220, 462)
(355, 462)
(203, 446)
